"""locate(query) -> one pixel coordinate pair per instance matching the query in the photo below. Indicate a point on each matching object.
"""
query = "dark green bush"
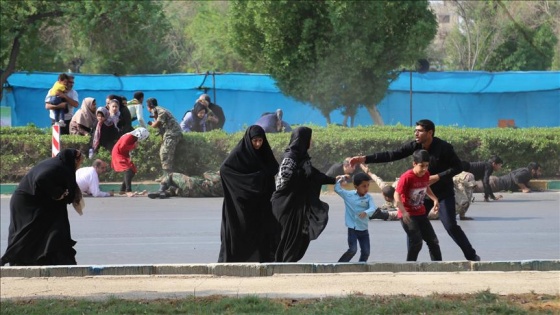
(23, 147)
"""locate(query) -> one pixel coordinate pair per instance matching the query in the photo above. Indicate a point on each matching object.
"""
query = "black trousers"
(127, 183)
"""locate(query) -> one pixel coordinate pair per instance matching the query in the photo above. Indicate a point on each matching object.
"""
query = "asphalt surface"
(139, 230)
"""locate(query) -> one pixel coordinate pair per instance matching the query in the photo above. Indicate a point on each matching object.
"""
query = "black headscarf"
(243, 157)
(300, 142)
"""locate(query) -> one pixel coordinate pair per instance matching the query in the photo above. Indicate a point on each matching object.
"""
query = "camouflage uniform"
(388, 207)
(181, 185)
(172, 134)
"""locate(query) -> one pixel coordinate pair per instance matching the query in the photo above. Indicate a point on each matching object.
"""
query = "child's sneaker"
(61, 123)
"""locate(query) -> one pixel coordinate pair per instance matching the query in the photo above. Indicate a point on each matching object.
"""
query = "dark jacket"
(443, 162)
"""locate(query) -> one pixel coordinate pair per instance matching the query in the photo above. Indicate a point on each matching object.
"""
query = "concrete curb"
(269, 269)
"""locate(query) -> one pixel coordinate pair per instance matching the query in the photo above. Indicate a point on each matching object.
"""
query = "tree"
(333, 53)
(20, 22)
(208, 32)
(43, 36)
(121, 37)
(503, 35)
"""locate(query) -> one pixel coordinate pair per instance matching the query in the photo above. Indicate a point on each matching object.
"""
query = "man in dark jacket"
(482, 171)
(444, 164)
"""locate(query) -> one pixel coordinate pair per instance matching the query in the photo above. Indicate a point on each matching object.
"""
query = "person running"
(295, 203)
(358, 206)
(411, 190)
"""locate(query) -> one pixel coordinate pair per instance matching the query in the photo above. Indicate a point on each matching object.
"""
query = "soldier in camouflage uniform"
(171, 134)
(181, 185)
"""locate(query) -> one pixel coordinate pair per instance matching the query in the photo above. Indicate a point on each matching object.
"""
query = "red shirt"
(412, 190)
(120, 156)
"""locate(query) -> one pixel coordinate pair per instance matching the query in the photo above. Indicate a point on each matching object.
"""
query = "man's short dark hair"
(427, 125)
(495, 159)
(139, 95)
(533, 166)
(420, 156)
(388, 191)
(151, 102)
(360, 178)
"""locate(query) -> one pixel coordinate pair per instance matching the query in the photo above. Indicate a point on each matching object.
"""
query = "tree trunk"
(327, 117)
(375, 115)
(11, 64)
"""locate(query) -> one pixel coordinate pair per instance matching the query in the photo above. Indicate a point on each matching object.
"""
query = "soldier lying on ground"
(181, 185)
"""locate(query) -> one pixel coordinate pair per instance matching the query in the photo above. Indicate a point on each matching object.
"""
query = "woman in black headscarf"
(249, 231)
(295, 203)
(39, 232)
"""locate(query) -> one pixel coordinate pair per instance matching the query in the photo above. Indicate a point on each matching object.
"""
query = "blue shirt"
(355, 204)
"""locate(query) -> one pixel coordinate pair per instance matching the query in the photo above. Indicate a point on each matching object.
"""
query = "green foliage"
(208, 32)
(518, 53)
(23, 147)
(120, 37)
(504, 36)
(333, 53)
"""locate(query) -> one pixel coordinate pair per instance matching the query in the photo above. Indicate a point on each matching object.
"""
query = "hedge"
(23, 147)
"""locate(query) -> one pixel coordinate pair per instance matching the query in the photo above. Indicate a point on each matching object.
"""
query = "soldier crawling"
(181, 185)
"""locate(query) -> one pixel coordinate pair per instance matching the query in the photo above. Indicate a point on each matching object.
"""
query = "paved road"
(122, 230)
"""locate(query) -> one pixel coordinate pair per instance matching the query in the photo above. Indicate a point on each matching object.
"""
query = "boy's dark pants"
(417, 230)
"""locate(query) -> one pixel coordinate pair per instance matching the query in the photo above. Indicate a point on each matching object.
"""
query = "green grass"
(481, 303)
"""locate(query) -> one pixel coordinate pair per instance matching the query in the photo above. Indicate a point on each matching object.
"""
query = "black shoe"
(476, 258)
(153, 195)
(375, 214)
(163, 195)
(380, 214)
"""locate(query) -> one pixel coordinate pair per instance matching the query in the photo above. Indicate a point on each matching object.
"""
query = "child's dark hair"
(388, 191)
(359, 178)
(62, 77)
(420, 156)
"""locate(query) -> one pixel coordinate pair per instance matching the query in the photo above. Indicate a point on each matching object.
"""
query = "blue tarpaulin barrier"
(470, 99)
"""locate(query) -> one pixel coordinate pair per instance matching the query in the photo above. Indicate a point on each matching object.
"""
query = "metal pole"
(214, 86)
(410, 71)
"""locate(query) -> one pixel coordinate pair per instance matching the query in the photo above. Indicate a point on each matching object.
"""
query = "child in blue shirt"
(359, 206)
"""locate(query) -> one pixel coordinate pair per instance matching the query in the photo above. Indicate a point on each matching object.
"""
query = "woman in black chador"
(249, 231)
(39, 232)
(295, 203)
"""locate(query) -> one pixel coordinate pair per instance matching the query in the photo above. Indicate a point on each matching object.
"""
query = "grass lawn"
(481, 303)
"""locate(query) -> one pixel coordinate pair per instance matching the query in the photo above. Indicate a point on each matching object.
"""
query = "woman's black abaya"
(295, 203)
(39, 232)
(249, 232)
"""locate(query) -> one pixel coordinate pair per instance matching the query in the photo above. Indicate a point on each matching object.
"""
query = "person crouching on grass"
(409, 196)
(359, 206)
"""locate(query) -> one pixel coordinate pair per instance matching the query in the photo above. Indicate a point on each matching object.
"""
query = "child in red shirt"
(410, 192)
